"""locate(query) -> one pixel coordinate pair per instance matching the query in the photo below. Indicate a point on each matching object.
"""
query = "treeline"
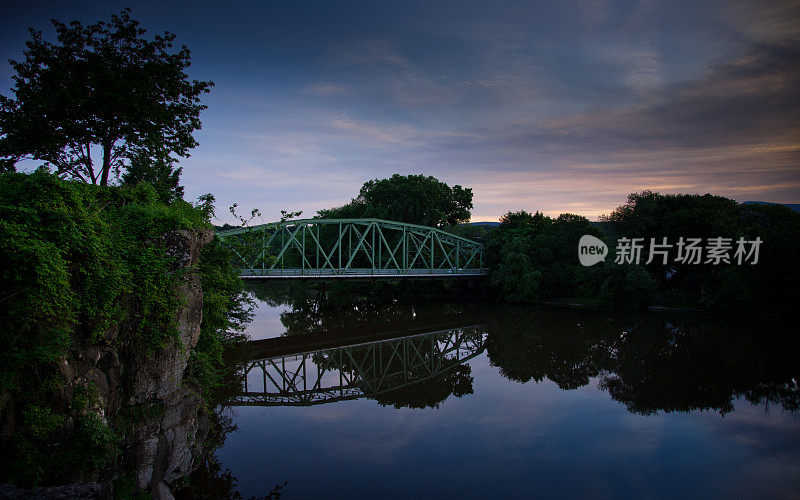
(533, 257)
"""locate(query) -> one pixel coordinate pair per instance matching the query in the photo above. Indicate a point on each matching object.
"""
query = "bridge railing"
(351, 248)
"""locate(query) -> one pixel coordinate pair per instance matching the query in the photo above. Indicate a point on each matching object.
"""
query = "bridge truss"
(356, 371)
(352, 248)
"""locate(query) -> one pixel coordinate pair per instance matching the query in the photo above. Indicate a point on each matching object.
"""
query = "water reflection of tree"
(335, 306)
(533, 344)
(209, 478)
(430, 393)
(211, 481)
(705, 365)
(409, 385)
(650, 364)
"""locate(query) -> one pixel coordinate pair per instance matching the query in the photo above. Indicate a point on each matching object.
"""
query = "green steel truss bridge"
(351, 248)
(355, 371)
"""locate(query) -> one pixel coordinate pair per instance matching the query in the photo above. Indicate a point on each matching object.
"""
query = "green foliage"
(652, 215)
(158, 172)
(415, 199)
(125, 489)
(82, 261)
(767, 287)
(525, 244)
(93, 444)
(130, 417)
(41, 422)
(772, 283)
(515, 276)
(41, 426)
(47, 446)
(102, 87)
(84, 397)
(7, 165)
(734, 293)
(475, 232)
(82, 264)
(532, 257)
(648, 214)
(227, 308)
(626, 287)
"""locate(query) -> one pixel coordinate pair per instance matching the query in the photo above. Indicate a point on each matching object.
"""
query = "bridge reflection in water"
(366, 369)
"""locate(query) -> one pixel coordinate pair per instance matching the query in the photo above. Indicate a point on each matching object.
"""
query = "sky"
(559, 107)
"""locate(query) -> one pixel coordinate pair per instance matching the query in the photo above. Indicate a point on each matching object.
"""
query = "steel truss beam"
(351, 248)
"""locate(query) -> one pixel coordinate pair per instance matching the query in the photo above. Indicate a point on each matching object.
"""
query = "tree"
(102, 90)
(157, 171)
(769, 286)
(415, 199)
(533, 257)
(653, 215)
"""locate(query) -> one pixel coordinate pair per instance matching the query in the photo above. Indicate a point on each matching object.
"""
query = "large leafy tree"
(416, 199)
(769, 286)
(100, 96)
(533, 257)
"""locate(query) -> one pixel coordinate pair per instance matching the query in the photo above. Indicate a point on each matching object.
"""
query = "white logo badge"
(591, 250)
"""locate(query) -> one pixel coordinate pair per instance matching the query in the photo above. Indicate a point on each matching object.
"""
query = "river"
(379, 395)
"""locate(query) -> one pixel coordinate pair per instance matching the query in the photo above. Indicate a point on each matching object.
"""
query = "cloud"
(375, 52)
(538, 109)
(325, 89)
(373, 133)
(765, 21)
(748, 100)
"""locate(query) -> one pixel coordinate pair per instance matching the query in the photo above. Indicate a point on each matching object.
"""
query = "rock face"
(70, 491)
(163, 449)
(164, 446)
(169, 425)
(159, 376)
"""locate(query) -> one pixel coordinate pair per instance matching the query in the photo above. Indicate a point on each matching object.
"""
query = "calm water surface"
(416, 398)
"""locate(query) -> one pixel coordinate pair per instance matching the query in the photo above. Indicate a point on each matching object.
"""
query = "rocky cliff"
(162, 448)
(162, 415)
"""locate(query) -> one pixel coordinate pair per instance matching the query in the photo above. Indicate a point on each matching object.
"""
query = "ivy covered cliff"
(116, 307)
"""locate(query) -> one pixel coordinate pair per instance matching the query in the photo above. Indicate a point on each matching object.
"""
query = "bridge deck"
(366, 273)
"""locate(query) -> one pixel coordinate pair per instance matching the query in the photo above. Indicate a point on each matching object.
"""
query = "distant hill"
(486, 223)
(793, 206)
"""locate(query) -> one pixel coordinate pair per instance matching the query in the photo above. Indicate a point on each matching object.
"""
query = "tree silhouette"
(415, 199)
(102, 90)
